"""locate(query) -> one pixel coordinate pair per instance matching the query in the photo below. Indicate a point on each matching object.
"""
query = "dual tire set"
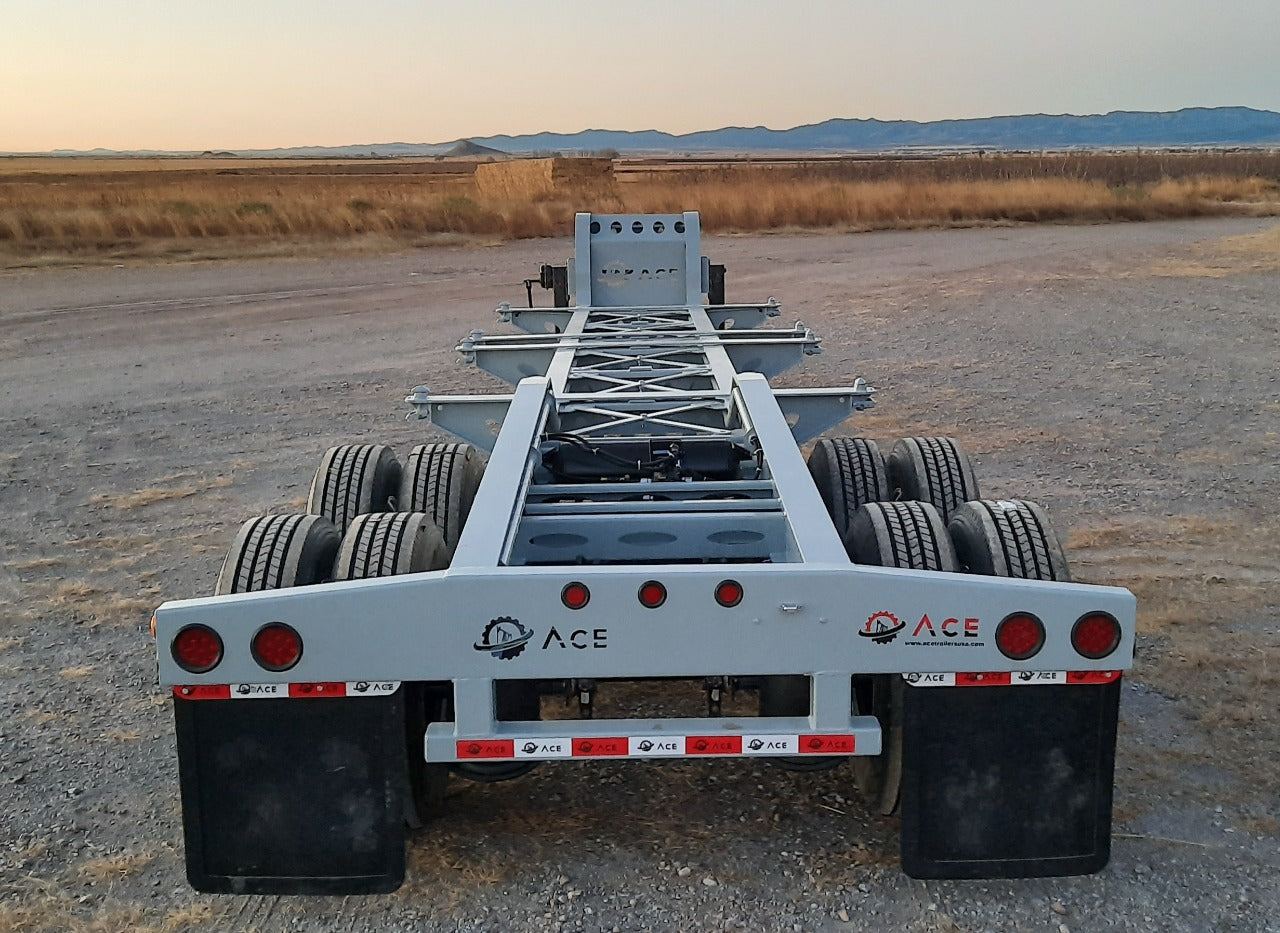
(918, 509)
(369, 515)
(990, 783)
(921, 509)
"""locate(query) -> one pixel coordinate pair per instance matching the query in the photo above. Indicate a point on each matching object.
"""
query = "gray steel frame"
(665, 372)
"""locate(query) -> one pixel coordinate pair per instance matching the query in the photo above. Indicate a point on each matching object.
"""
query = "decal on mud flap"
(258, 691)
(1007, 679)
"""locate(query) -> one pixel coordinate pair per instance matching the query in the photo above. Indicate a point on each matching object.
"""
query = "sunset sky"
(235, 74)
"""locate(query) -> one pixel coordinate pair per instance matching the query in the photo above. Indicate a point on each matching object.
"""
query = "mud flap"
(1008, 782)
(293, 796)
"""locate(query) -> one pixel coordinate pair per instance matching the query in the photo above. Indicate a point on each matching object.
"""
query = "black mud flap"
(1008, 782)
(293, 796)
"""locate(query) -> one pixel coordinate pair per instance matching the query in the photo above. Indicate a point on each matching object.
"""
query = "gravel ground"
(1124, 376)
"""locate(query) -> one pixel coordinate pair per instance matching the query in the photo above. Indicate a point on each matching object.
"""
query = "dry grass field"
(58, 210)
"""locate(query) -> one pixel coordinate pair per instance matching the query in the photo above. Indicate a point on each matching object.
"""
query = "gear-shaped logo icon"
(882, 627)
(504, 638)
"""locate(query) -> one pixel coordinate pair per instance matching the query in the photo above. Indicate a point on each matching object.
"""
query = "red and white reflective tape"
(334, 689)
(654, 746)
(1011, 679)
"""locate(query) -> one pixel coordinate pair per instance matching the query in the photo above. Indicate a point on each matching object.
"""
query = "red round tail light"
(652, 594)
(1095, 635)
(197, 649)
(277, 647)
(1020, 636)
(729, 593)
(575, 595)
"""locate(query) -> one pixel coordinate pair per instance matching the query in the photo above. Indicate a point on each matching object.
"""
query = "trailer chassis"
(645, 513)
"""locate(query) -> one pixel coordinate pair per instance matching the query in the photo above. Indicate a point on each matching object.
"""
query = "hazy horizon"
(375, 143)
(237, 76)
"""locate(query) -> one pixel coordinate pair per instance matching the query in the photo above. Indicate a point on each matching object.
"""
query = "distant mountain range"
(1193, 126)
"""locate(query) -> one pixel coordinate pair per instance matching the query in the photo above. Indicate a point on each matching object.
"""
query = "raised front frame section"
(636, 260)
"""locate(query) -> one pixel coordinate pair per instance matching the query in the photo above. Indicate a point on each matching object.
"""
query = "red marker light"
(197, 649)
(652, 594)
(729, 593)
(277, 647)
(1020, 636)
(575, 595)
(1095, 635)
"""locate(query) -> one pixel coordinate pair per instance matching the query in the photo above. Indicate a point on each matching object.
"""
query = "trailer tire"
(271, 552)
(789, 695)
(389, 543)
(911, 536)
(384, 545)
(879, 778)
(934, 470)
(1008, 538)
(353, 479)
(849, 472)
(441, 480)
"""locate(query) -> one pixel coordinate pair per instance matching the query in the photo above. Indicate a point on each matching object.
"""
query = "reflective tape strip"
(301, 691)
(1038, 678)
(654, 746)
(713, 745)
(203, 692)
(770, 745)
(1011, 679)
(827, 745)
(318, 690)
(984, 679)
(486, 748)
(371, 688)
(544, 748)
(616, 746)
(650, 746)
(259, 691)
(1092, 677)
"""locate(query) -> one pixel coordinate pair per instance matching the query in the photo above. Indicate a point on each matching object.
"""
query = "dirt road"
(1123, 376)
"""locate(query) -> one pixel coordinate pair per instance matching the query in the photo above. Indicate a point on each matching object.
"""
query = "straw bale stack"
(535, 179)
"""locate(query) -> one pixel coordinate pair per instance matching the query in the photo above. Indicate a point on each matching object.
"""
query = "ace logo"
(579, 638)
(883, 627)
(952, 629)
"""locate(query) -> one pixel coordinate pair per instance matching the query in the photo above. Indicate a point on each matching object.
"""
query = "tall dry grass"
(743, 204)
(87, 208)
